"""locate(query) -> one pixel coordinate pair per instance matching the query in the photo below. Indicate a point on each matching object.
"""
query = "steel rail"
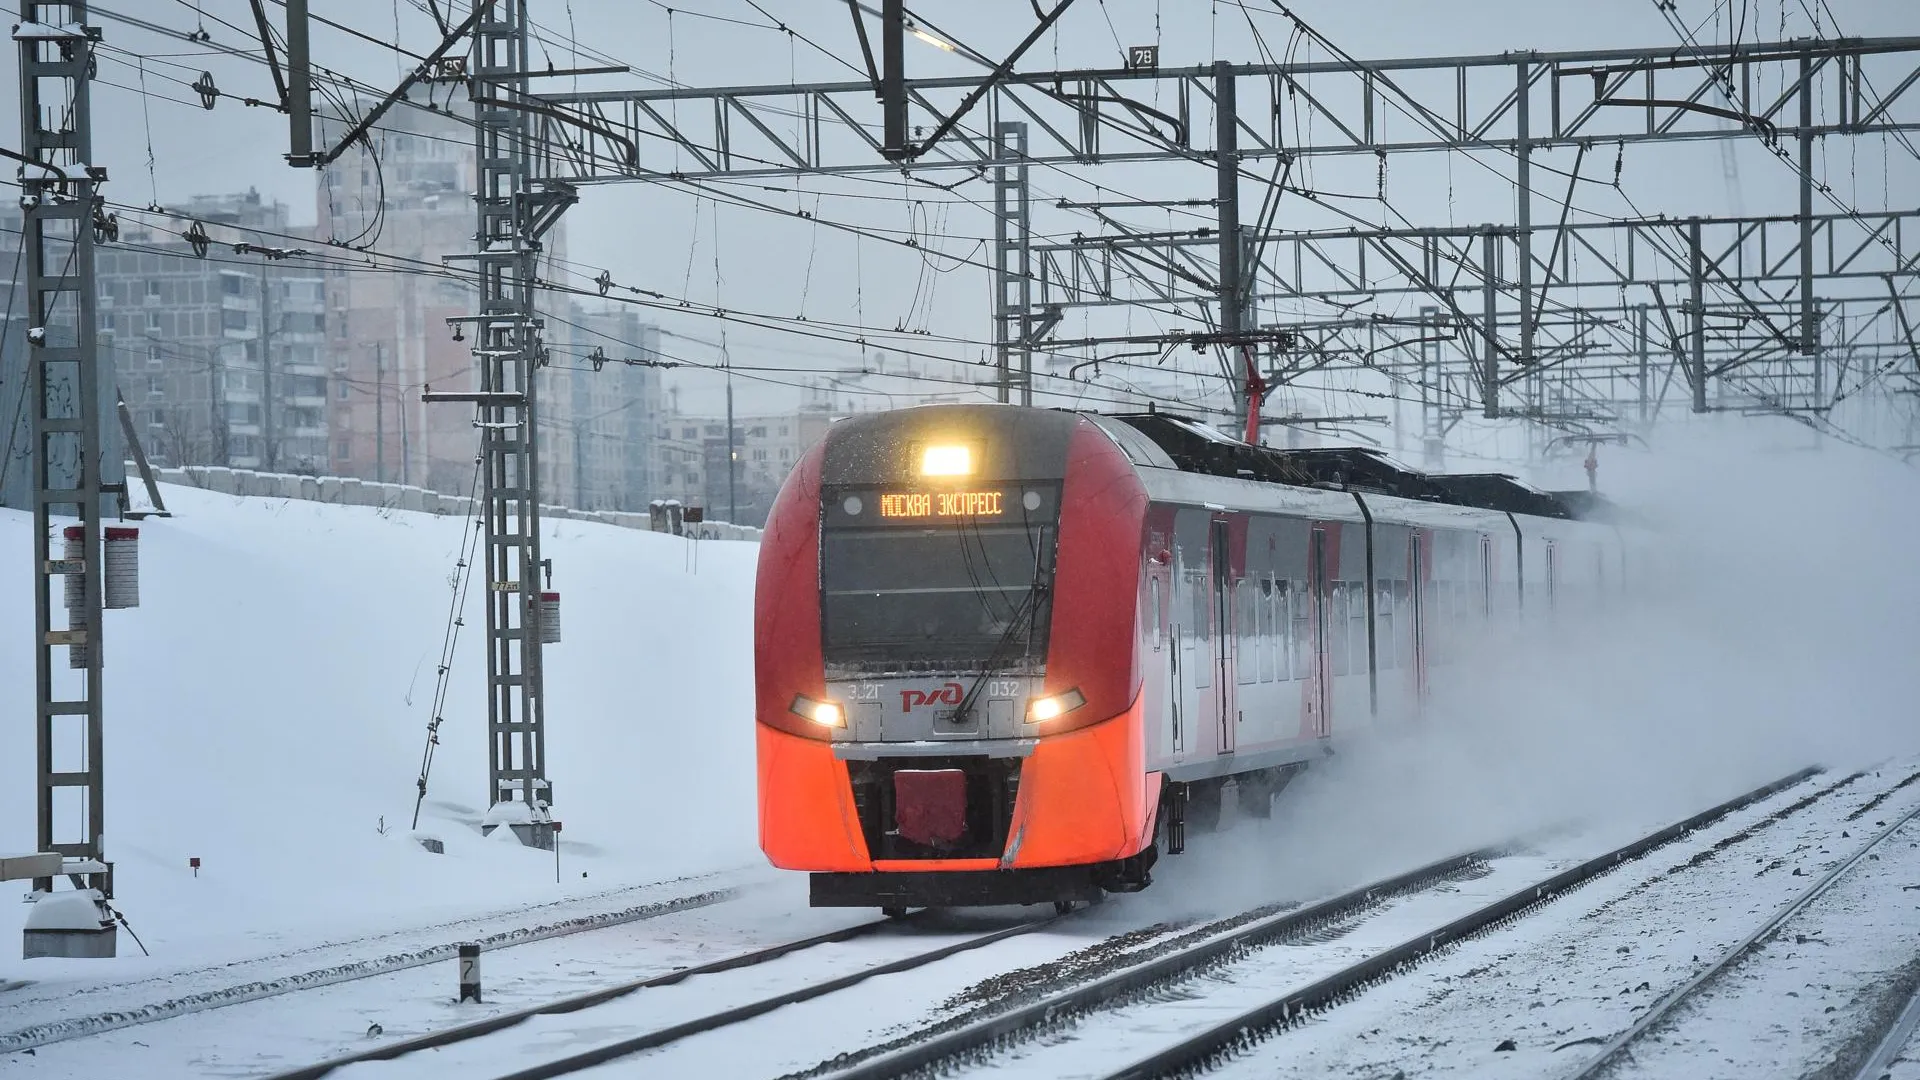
(600, 1055)
(1892, 1042)
(1663, 1009)
(1201, 1048)
(462, 1033)
(989, 1031)
(46, 1032)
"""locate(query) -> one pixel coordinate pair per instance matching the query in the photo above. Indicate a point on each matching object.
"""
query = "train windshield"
(955, 597)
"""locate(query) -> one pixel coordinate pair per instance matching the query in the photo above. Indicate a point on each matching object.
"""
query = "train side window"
(1277, 628)
(1246, 614)
(1486, 575)
(1302, 642)
(1336, 627)
(1263, 629)
(1553, 567)
(1357, 628)
(1282, 630)
(1383, 636)
(1200, 626)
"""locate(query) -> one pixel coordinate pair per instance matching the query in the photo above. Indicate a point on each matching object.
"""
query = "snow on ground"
(1817, 994)
(272, 1035)
(266, 708)
(1907, 1065)
(1110, 1039)
(1586, 965)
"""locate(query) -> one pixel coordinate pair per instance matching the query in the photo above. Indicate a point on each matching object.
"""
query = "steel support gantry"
(1013, 314)
(74, 467)
(515, 208)
(1503, 102)
(1504, 283)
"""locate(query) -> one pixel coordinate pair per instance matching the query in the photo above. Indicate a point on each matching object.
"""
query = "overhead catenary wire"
(907, 238)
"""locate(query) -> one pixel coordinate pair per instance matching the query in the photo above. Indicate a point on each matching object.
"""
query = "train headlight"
(824, 713)
(946, 459)
(1041, 710)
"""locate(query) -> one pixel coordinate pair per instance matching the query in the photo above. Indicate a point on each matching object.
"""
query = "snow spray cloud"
(1771, 625)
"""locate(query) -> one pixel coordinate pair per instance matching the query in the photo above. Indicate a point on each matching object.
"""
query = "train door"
(1420, 557)
(1319, 681)
(1223, 635)
(1193, 616)
(1168, 628)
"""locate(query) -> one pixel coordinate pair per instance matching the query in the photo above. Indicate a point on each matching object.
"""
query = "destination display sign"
(1021, 505)
(941, 504)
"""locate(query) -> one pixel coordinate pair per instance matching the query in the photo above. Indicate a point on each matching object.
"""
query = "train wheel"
(1062, 907)
(894, 912)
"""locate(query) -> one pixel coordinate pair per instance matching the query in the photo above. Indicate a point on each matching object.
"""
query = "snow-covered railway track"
(1896, 1038)
(1666, 1011)
(1207, 946)
(1019, 1041)
(472, 1040)
(1197, 1052)
(350, 961)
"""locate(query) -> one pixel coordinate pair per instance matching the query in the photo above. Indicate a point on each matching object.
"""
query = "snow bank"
(267, 707)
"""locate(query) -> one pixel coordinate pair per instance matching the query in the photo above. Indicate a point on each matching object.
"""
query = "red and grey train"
(1006, 655)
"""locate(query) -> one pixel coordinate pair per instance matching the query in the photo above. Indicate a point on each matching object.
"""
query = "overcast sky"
(164, 147)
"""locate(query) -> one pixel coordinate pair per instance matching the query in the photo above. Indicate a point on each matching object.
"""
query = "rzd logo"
(949, 694)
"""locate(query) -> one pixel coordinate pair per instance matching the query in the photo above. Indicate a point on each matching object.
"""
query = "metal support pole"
(269, 432)
(1490, 328)
(1640, 346)
(69, 453)
(380, 411)
(1524, 236)
(515, 208)
(299, 85)
(1012, 263)
(1433, 431)
(893, 78)
(733, 454)
(1226, 170)
(406, 445)
(1809, 316)
(1697, 313)
(218, 430)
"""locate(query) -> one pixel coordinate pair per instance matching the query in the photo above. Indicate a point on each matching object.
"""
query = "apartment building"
(217, 351)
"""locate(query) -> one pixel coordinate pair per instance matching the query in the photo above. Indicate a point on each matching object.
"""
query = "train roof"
(1199, 448)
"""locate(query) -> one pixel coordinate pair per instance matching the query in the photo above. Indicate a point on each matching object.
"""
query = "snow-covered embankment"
(266, 708)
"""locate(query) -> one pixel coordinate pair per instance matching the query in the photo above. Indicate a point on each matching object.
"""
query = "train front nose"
(930, 577)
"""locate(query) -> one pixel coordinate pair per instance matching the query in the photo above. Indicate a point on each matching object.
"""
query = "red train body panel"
(1004, 655)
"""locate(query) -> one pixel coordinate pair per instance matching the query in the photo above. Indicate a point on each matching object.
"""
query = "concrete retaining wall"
(352, 491)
